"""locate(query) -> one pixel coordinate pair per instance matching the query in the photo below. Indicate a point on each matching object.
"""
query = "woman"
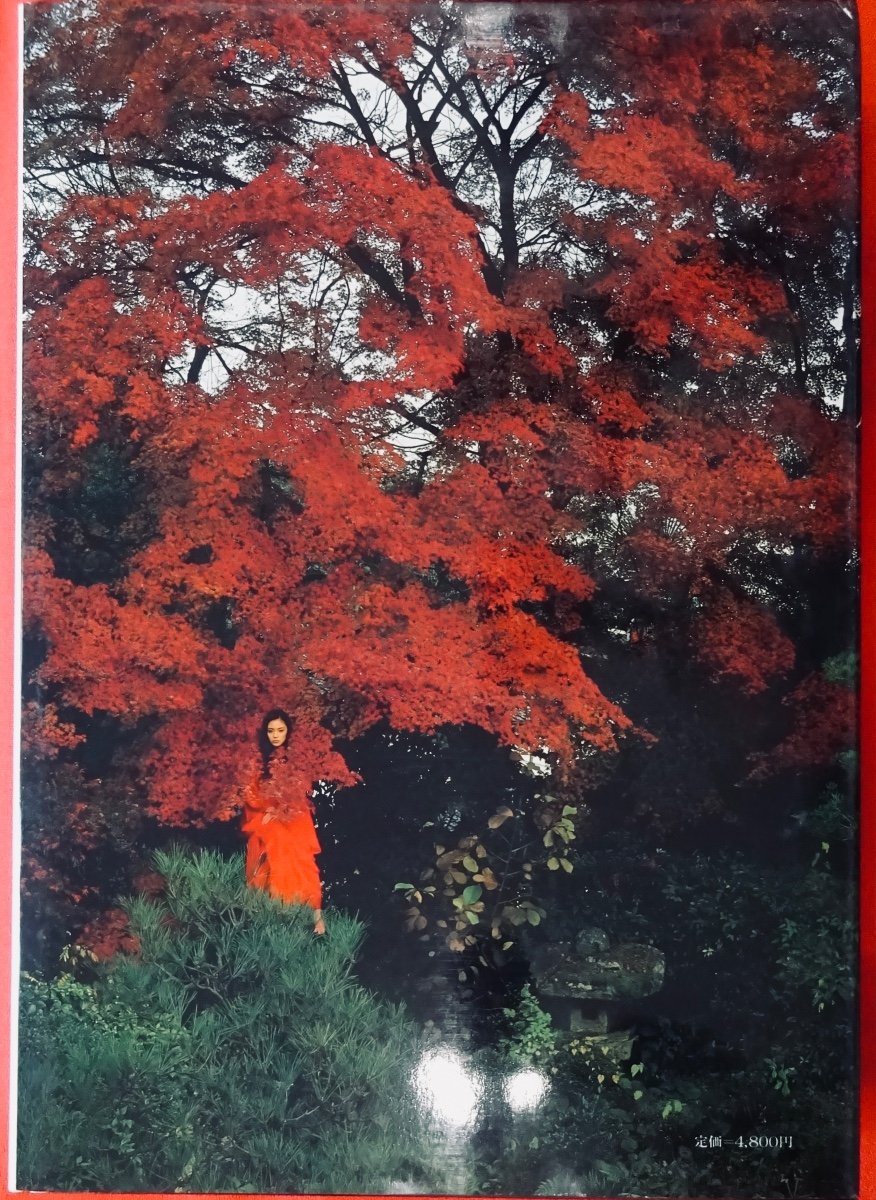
(281, 844)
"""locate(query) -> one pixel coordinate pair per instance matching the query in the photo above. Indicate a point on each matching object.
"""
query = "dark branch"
(376, 271)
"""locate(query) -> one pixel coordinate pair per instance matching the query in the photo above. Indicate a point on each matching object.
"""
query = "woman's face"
(276, 731)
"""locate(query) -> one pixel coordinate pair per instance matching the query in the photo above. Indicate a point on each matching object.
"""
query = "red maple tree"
(364, 357)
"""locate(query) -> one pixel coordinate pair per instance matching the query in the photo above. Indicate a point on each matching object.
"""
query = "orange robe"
(281, 845)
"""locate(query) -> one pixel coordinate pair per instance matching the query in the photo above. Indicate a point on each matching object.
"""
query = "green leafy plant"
(531, 1040)
(236, 1051)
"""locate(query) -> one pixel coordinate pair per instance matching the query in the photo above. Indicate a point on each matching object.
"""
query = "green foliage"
(818, 945)
(831, 820)
(841, 668)
(531, 1041)
(760, 1042)
(237, 1052)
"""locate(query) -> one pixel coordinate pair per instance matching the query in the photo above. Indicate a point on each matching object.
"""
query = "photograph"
(439, 598)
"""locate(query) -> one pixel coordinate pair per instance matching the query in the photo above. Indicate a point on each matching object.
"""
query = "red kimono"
(281, 843)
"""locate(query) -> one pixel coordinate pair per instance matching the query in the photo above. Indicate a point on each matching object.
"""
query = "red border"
(9, 173)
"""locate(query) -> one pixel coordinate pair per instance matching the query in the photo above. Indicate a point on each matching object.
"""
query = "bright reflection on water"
(446, 1087)
(525, 1090)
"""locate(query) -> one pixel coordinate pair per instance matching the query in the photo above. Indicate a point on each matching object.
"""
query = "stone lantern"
(587, 984)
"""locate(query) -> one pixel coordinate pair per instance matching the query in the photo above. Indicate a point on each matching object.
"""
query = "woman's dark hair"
(265, 747)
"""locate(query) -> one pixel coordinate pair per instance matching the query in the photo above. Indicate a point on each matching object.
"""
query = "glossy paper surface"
(469, 390)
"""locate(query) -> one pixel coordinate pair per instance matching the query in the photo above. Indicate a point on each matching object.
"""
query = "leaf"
(472, 893)
(470, 865)
(487, 878)
(507, 945)
(553, 864)
(533, 917)
(566, 865)
(403, 887)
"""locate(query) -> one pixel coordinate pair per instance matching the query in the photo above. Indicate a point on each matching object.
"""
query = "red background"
(9, 156)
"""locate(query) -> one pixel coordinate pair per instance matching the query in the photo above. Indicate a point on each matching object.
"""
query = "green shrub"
(531, 1039)
(235, 1053)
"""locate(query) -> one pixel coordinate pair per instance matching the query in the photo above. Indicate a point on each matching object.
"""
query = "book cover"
(440, 575)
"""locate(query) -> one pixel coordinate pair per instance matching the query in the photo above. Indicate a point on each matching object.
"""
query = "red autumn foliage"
(335, 405)
(108, 935)
(823, 725)
(737, 638)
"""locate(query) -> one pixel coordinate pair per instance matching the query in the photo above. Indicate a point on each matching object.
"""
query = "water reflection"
(525, 1090)
(447, 1088)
